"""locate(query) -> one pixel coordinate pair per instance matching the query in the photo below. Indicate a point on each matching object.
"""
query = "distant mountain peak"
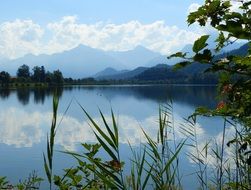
(142, 48)
(109, 69)
(118, 75)
(161, 65)
(82, 47)
(29, 55)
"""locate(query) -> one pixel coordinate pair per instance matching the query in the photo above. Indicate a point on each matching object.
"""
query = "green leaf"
(175, 155)
(204, 57)
(161, 126)
(244, 61)
(249, 48)
(95, 125)
(47, 171)
(213, 6)
(153, 145)
(142, 164)
(220, 41)
(108, 182)
(181, 65)
(107, 149)
(178, 54)
(147, 178)
(202, 110)
(108, 129)
(115, 127)
(200, 43)
(104, 170)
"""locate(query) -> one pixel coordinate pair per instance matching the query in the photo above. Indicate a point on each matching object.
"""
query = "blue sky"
(38, 22)
(174, 12)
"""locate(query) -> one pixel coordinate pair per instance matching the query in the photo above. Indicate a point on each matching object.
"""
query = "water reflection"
(39, 95)
(192, 95)
(21, 129)
(4, 93)
(30, 126)
(73, 129)
(25, 118)
(24, 94)
(28, 129)
(207, 145)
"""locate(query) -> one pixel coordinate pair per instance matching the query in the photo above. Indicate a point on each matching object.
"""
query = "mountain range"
(161, 72)
(83, 61)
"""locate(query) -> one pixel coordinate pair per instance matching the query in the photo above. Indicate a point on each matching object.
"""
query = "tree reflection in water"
(4, 93)
(192, 95)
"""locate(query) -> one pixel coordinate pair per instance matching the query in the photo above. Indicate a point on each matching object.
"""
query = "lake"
(25, 118)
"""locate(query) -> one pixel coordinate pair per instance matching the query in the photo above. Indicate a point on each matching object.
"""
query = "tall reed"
(155, 162)
(154, 165)
(48, 160)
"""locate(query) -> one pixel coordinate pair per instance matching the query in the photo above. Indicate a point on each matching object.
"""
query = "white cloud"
(19, 37)
(28, 129)
(20, 128)
(24, 36)
(208, 144)
(73, 132)
(193, 7)
(236, 4)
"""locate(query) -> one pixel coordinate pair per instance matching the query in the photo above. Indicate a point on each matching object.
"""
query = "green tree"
(23, 72)
(234, 86)
(4, 77)
(38, 74)
(42, 74)
(57, 77)
(235, 70)
(48, 77)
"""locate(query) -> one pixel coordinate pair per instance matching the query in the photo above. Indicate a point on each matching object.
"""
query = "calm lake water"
(25, 117)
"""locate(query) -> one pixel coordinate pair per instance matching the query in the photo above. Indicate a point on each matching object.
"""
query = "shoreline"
(45, 85)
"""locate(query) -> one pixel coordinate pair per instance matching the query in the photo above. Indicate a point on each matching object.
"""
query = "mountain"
(243, 50)
(165, 74)
(160, 72)
(162, 60)
(188, 49)
(121, 75)
(84, 61)
(108, 72)
(79, 62)
(137, 57)
(193, 73)
(195, 68)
